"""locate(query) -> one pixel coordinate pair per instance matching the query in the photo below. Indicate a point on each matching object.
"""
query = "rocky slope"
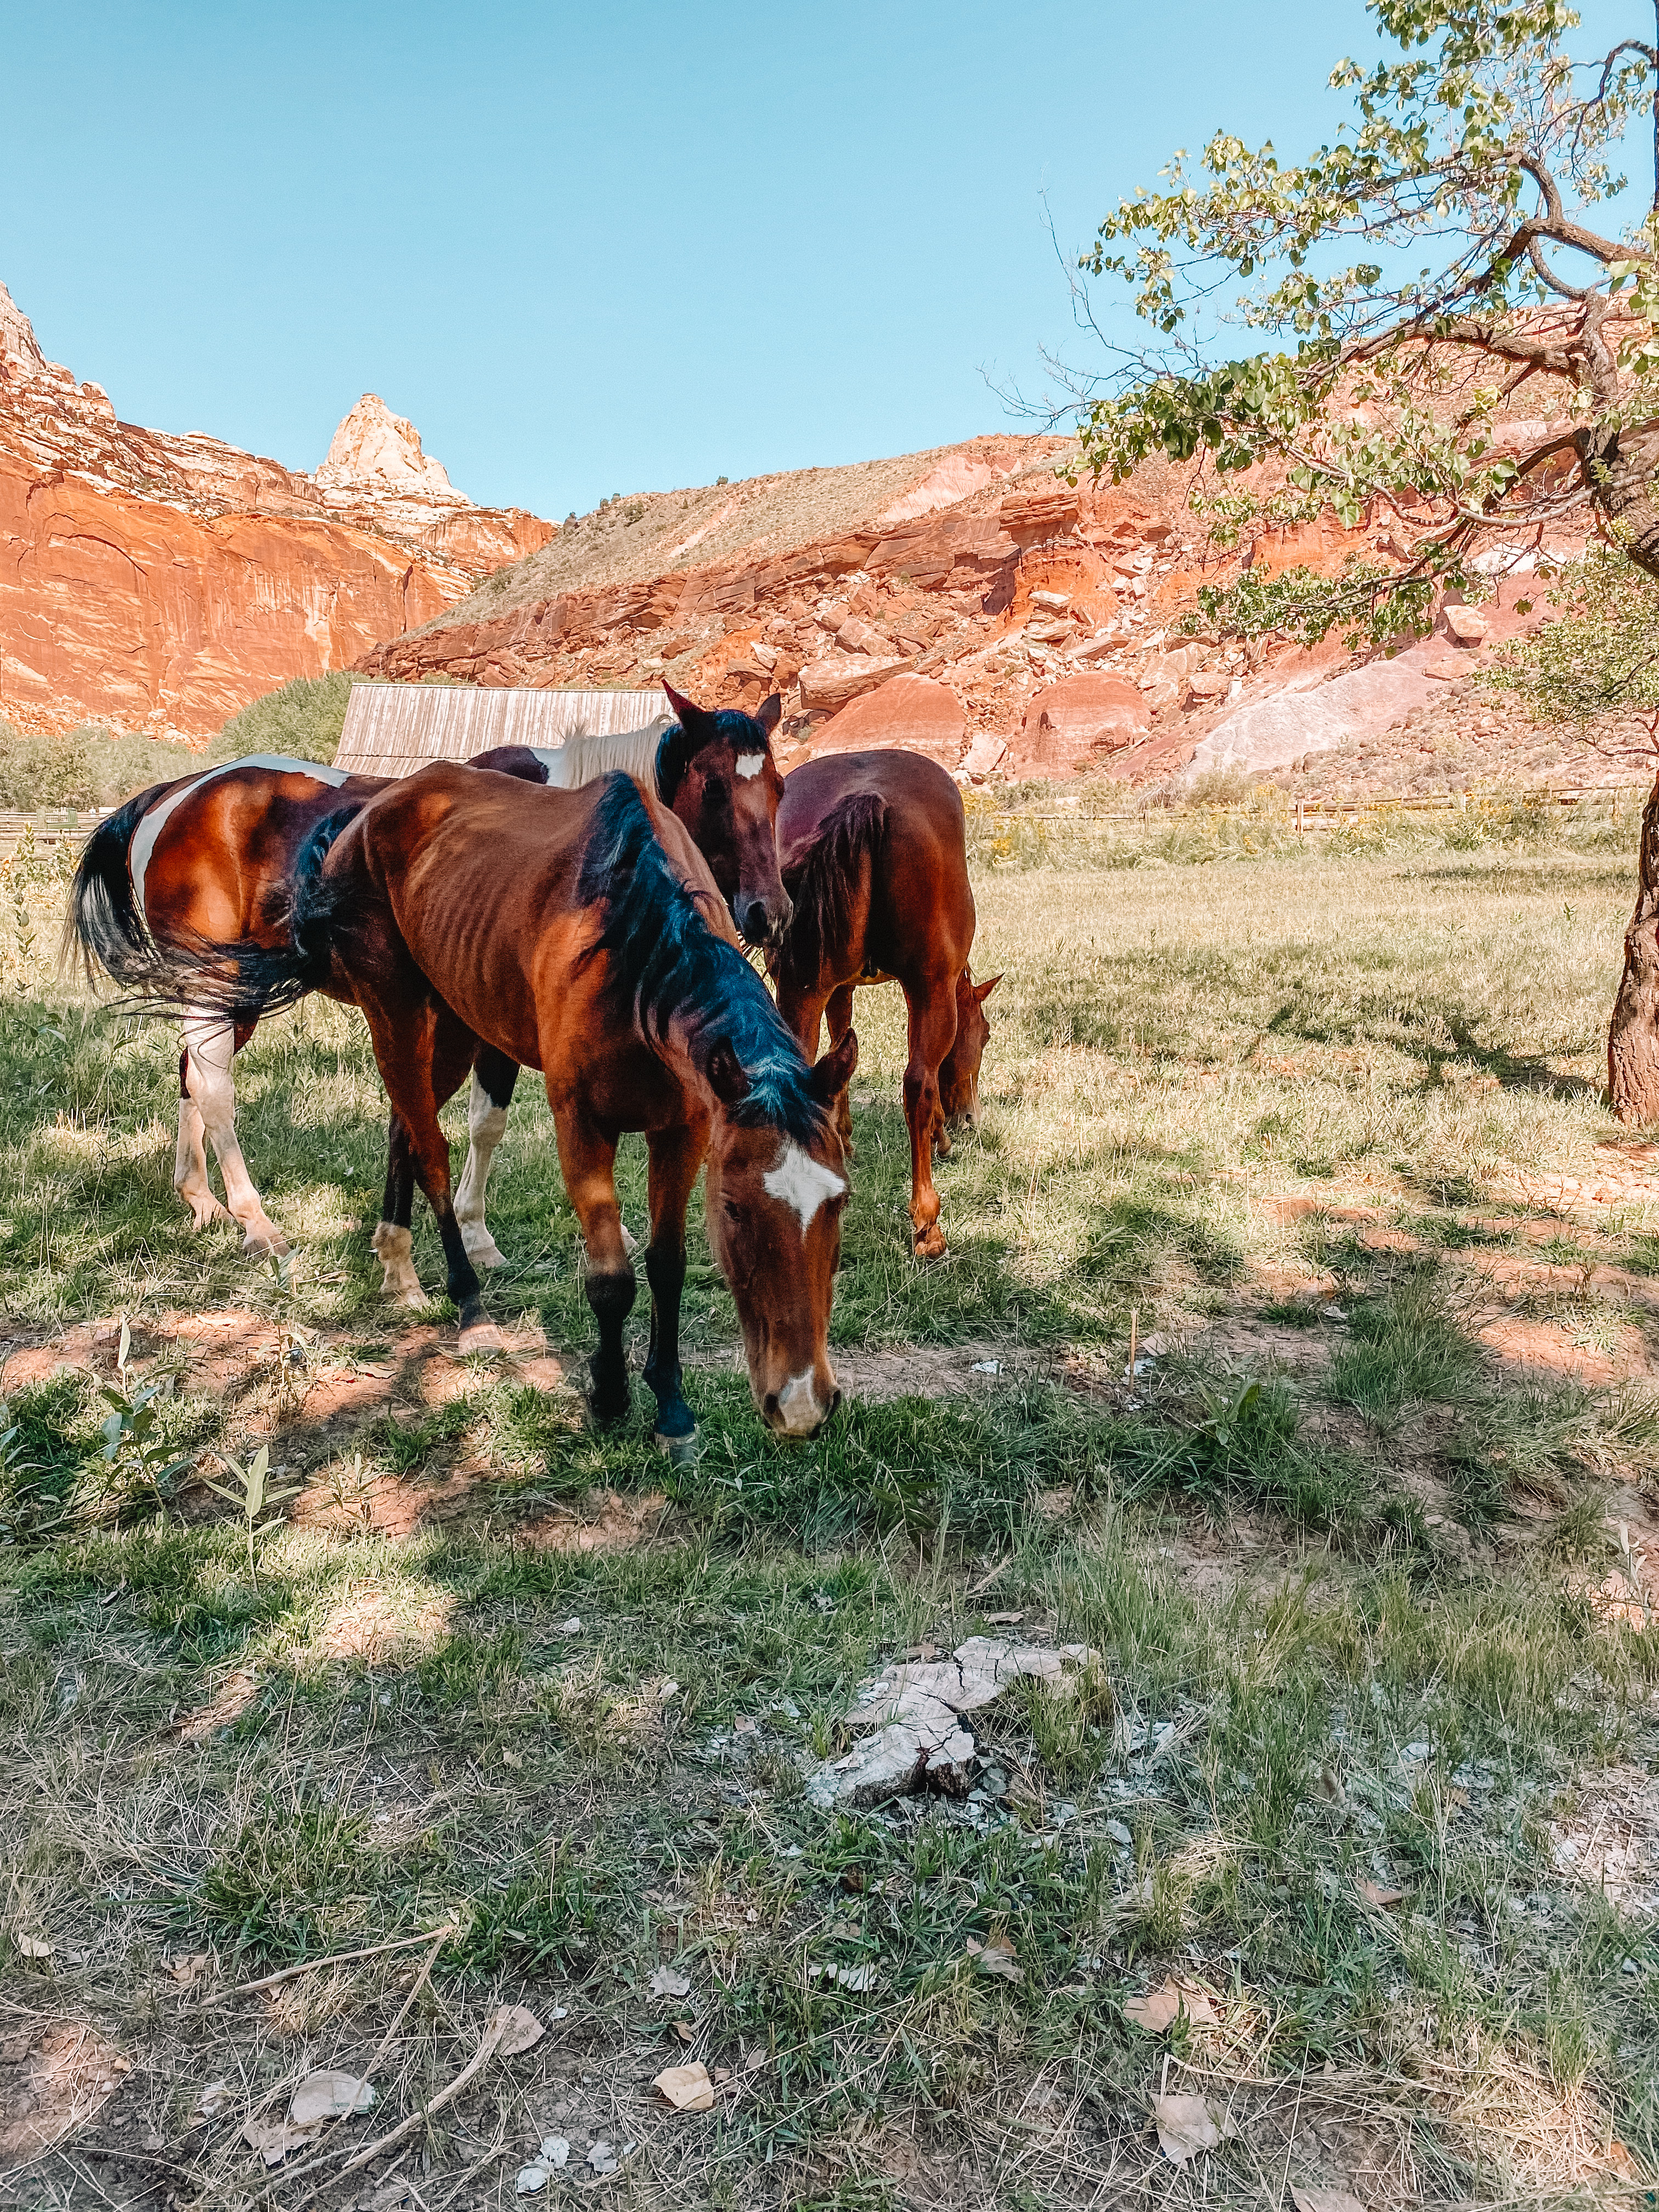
(162, 582)
(974, 603)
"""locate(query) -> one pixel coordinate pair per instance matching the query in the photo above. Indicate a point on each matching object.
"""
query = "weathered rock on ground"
(914, 1713)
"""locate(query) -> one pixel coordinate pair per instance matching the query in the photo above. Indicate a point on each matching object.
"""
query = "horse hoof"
(604, 1414)
(477, 1333)
(682, 1451)
(482, 1250)
(929, 1243)
(266, 1243)
(203, 1210)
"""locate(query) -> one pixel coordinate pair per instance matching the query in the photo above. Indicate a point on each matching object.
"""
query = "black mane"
(670, 963)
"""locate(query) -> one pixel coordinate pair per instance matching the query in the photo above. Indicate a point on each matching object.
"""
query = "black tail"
(825, 887)
(243, 981)
(103, 926)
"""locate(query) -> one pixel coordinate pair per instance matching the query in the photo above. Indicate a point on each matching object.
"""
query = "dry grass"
(1348, 1546)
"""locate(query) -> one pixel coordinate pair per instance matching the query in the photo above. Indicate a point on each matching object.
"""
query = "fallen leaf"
(555, 2151)
(1373, 1893)
(684, 2030)
(1325, 2200)
(328, 2095)
(846, 1977)
(669, 1982)
(756, 2058)
(189, 1969)
(1186, 2126)
(602, 2158)
(671, 1688)
(688, 2088)
(275, 2138)
(1159, 2010)
(722, 2073)
(1004, 1619)
(520, 2028)
(996, 1957)
(529, 2179)
(512, 1759)
(213, 2099)
(34, 1947)
(571, 1627)
(744, 1725)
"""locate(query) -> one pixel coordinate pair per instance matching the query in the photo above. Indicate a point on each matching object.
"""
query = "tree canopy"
(1405, 280)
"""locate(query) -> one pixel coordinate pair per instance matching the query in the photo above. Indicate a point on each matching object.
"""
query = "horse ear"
(983, 991)
(769, 713)
(698, 724)
(832, 1074)
(726, 1077)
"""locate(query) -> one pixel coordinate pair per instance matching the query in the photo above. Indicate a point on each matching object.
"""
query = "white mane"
(582, 759)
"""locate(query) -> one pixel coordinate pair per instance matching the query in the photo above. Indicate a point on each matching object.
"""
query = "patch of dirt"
(374, 1623)
(938, 1370)
(1610, 1840)
(1535, 1351)
(54, 2075)
(606, 1521)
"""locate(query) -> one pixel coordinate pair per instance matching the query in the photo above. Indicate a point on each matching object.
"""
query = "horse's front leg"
(839, 1015)
(210, 1045)
(675, 1156)
(588, 1157)
(493, 1077)
(932, 1010)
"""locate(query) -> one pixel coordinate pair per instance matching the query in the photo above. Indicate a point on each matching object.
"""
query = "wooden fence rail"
(53, 825)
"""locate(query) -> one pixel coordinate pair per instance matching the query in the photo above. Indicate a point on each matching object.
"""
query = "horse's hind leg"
(422, 1053)
(393, 1241)
(190, 1168)
(933, 1007)
(210, 1047)
(493, 1077)
(675, 1156)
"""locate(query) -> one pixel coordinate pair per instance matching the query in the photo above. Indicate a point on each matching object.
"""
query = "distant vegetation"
(304, 719)
(92, 766)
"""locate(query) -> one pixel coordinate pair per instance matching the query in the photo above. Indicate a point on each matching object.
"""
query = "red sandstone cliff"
(162, 582)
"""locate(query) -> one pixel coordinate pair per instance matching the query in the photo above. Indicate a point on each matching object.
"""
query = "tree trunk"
(1633, 1034)
(1619, 468)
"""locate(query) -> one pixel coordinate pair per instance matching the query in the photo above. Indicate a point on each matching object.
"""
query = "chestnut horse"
(873, 851)
(581, 934)
(209, 856)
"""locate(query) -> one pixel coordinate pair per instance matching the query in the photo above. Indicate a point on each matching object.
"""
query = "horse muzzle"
(796, 1410)
(763, 924)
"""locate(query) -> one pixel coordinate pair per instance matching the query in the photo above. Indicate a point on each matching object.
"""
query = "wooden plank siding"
(392, 729)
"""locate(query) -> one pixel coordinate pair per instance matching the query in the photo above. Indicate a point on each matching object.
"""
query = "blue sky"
(605, 248)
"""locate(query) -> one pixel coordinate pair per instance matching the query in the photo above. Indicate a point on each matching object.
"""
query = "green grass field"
(1364, 1758)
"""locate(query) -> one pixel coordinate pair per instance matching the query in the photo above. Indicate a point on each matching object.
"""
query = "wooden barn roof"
(392, 729)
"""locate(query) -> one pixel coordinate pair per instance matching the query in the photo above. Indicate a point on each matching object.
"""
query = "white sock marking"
(751, 765)
(799, 1181)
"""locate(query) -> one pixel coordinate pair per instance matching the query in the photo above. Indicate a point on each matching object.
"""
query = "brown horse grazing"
(209, 857)
(583, 934)
(873, 851)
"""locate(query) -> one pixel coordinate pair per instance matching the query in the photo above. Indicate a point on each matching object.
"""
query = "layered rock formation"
(970, 602)
(162, 582)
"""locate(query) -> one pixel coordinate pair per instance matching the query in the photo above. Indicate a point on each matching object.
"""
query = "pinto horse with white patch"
(209, 858)
(581, 934)
(873, 850)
